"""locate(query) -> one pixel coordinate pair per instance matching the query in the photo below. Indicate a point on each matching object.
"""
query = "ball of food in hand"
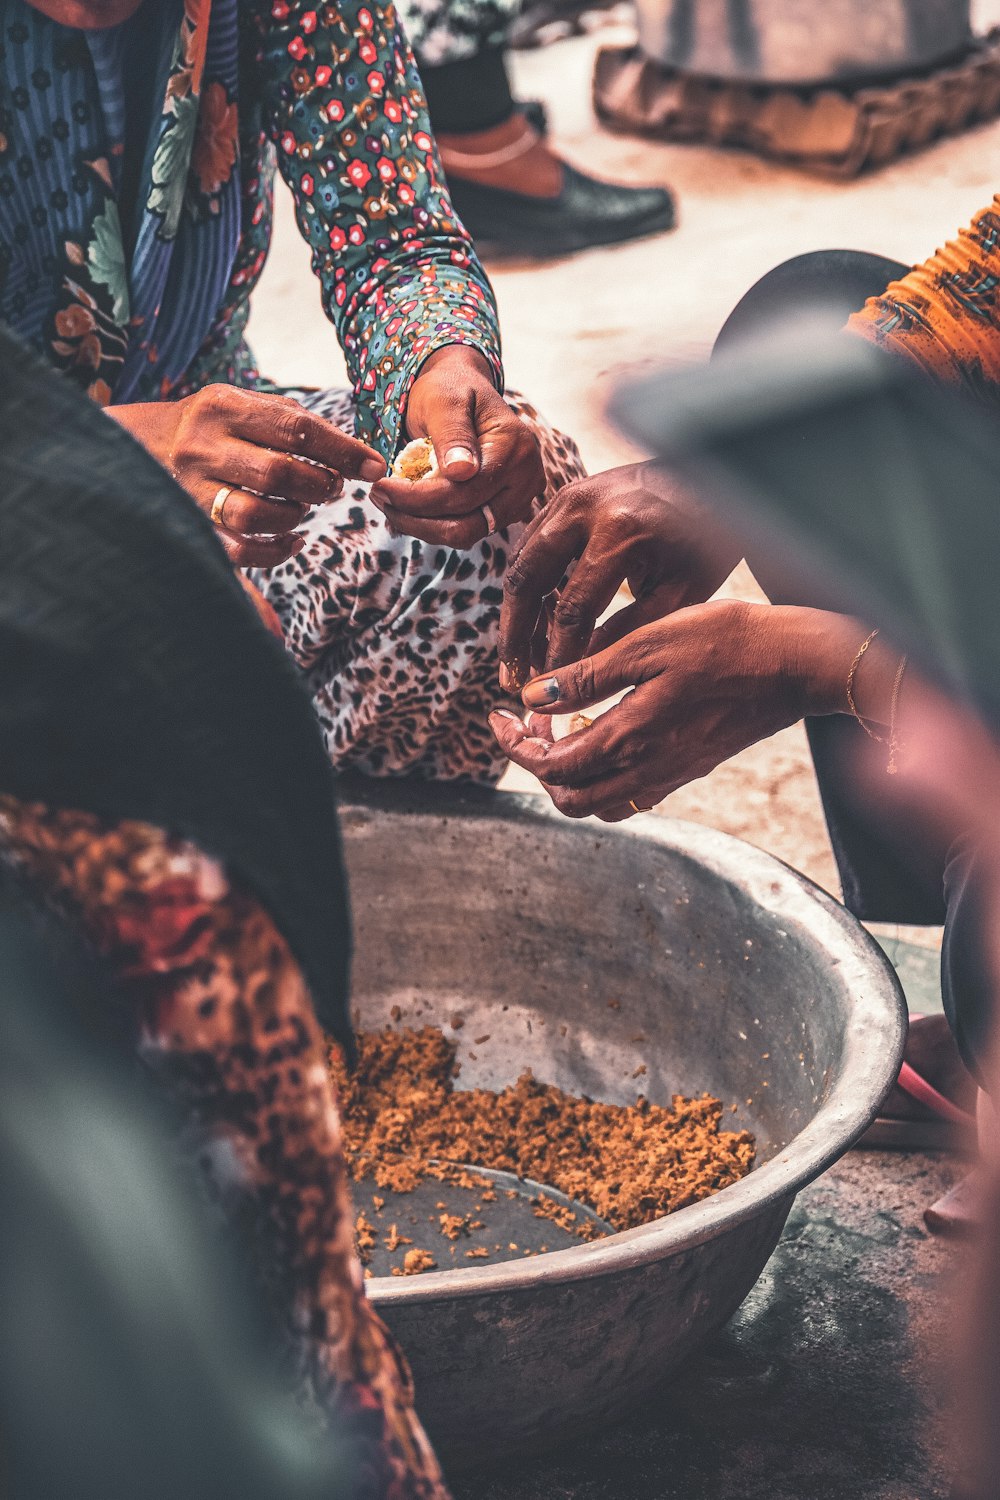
(416, 460)
(564, 725)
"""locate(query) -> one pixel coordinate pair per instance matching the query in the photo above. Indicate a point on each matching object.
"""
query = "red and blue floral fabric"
(136, 179)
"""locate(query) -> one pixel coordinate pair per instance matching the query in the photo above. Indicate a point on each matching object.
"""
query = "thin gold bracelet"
(894, 745)
(878, 738)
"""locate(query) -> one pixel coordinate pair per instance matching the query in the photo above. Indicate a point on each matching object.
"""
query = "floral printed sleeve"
(944, 315)
(399, 275)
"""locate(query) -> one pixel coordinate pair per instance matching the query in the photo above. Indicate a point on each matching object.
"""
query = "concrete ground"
(824, 1388)
(827, 1385)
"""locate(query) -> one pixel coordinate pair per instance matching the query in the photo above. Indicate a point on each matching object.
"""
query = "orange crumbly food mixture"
(416, 461)
(405, 1121)
(415, 1261)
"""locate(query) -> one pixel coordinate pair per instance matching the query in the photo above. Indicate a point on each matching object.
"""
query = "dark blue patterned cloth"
(136, 175)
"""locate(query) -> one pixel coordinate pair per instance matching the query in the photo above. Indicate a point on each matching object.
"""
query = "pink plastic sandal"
(950, 1129)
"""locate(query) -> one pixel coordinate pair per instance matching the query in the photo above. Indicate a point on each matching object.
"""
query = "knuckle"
(258, 521)
(518, 578)
(577, 495)
(290, 426)
(524, 442)
(571, 613)
(216, 400)
(621, 520)
(624, 756)
(274, 475)
(581, 680)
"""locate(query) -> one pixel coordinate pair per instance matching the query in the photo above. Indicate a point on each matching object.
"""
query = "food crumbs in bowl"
(404, 1122)
(415, 1261)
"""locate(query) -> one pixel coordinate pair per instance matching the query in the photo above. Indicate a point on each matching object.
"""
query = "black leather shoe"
(586, 212)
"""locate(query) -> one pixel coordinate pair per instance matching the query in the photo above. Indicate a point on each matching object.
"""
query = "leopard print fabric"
(396, 638)
(226, 1025)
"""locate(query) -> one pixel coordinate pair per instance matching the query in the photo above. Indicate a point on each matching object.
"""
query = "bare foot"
(511, 156)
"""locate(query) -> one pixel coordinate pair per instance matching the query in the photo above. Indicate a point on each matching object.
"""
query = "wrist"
(808, 649)
(457, 357)
(446, 374)
(147, 421)
(822, 648)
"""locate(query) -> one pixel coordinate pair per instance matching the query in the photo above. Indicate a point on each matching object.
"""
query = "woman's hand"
(706, 682)
(278, 459)
(486, 456)
(630, 525)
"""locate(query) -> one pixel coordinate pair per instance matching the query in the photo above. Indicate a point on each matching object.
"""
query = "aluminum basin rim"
(874, 1041)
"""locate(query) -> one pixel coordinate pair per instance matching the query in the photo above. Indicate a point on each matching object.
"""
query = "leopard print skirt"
(396, 638)
(225, 1025)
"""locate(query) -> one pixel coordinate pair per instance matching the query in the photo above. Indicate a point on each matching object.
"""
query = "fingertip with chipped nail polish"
(541, 693)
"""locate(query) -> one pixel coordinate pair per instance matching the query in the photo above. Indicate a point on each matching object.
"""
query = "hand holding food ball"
(487, 468)
(416, 461)
(700, 685)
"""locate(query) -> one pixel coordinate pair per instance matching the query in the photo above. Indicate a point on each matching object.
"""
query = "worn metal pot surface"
(746, 981)
(802, 41)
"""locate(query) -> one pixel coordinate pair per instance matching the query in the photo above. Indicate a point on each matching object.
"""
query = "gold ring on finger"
(636, 808)
(490, 519)
(219, 504)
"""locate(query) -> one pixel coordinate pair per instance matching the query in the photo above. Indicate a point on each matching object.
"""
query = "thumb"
(451, 427)
(585, 682)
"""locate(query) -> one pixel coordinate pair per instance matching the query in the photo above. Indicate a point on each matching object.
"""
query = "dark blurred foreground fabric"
(877, 491)
(135, 678)
(130, 1362)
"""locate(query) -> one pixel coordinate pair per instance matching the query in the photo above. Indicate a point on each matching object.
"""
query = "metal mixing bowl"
(746, 981)
(802, 41)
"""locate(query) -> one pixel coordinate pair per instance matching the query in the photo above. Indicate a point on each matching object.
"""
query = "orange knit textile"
(944, 315)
